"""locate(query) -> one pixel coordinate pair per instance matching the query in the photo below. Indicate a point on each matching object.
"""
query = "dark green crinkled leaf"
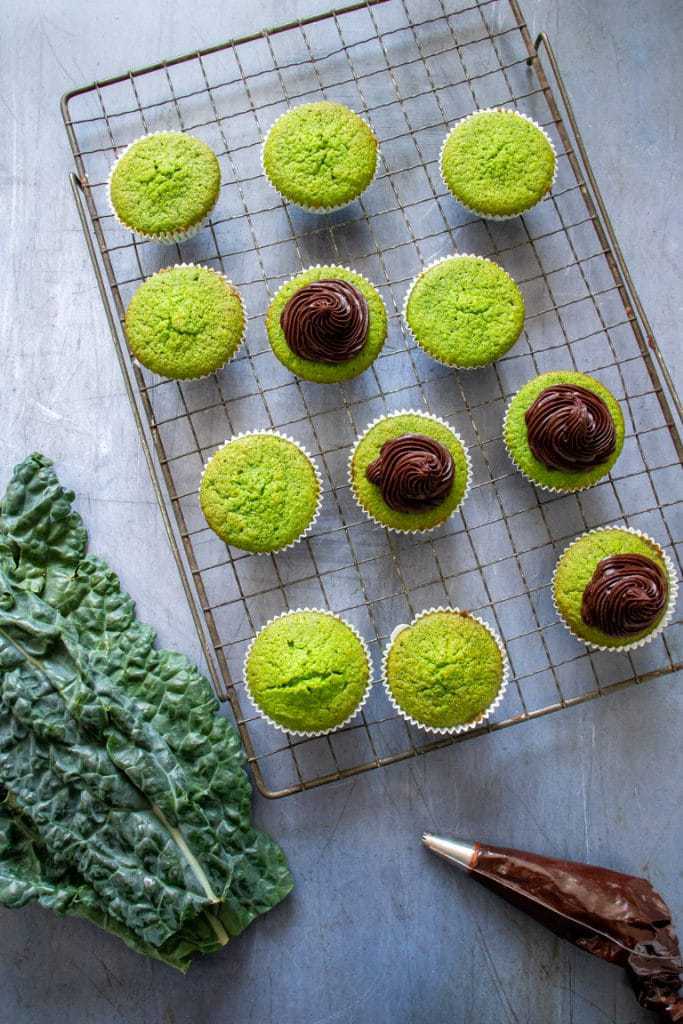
(112, 751)
(28, 874)
(48, 537)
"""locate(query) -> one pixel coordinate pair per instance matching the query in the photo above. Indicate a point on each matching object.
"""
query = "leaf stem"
(220, 931)
(179, 840)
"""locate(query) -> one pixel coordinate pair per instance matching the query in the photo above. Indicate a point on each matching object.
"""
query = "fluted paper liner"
(672, 579)
(165, 237)
(238, 346)
(317, 209)
(452, 730)
(427, 416)
(304, 451)
(430, 266)
(323, 732)
(536, 483)
(497, 110)
(330, 266)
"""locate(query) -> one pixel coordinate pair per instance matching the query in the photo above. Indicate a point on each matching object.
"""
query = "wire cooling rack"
(412, 68)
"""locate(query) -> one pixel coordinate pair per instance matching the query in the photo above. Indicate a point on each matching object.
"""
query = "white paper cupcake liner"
(199, 376)
(165, 237)
(406, 297)
(672, 577)
(453, 730)
(317, 209)
(323, 732)
(497, 110)
(536, 483)
(304, 451)
(427, 416)
(330, 266)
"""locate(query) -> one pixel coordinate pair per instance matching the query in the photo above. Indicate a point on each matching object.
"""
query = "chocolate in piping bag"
(619, 918)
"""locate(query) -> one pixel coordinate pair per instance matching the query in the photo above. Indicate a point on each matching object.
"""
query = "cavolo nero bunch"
(124, 798)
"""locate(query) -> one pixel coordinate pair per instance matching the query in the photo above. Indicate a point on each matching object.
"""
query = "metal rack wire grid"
(412, 68)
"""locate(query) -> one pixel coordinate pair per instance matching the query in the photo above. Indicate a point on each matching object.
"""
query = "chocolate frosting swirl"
(570, 428)
(413, 472)
(626, 595)
(326, 321)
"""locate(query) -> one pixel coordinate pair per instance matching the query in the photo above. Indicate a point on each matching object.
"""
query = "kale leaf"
(125, 795)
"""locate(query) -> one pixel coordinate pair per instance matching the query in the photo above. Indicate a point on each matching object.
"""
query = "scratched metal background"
(375, 931)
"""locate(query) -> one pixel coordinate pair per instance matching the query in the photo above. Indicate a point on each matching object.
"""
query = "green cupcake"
(327, 324)
(498, 163)
(320, 155)
(164, 185)
(185, 322)
(564, 430)
(409, 471)
(446, 671)
(464, 311)
(614, 588)
(307, 672)
(260, 492)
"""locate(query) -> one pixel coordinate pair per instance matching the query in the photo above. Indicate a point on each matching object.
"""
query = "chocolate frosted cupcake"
(564, 430)
(327, 324)
(409, 471)
(615, 588)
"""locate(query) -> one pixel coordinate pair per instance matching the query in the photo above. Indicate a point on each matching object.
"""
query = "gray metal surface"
(376, 930)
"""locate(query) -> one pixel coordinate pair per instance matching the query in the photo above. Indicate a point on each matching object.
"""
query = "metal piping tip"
(454, 850)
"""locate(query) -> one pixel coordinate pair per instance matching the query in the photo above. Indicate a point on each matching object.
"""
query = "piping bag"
(619, 918)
